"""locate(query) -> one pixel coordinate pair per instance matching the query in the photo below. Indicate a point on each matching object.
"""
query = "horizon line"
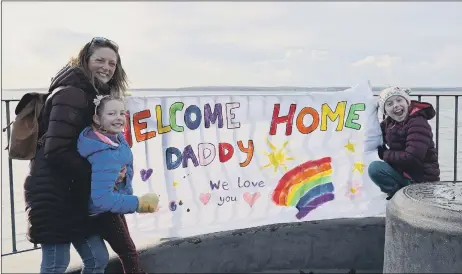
(252, 88)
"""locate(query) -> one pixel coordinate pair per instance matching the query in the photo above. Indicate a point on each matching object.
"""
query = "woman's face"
(102, 64)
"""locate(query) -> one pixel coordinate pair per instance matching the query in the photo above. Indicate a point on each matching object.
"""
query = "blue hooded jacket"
(106, 161)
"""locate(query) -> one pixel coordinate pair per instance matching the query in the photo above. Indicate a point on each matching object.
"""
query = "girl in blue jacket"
(111, 185)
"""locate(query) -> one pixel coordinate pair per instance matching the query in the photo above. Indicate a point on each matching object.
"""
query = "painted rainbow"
(307, 186)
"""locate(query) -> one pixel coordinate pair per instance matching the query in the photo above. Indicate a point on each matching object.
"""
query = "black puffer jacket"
(58, 186)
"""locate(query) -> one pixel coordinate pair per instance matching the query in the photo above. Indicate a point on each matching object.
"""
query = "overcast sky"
(254, 44)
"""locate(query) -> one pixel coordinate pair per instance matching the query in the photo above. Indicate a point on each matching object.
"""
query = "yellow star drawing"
(277, 157)
(359, 166)
(175, 184)
(350, 147)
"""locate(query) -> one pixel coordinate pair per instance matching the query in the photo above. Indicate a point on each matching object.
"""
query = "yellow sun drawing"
(277, 157)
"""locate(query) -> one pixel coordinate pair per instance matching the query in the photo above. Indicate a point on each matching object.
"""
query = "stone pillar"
(423, 231)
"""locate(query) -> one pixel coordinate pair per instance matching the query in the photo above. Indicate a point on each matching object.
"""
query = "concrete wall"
(326, 244)
(424, 229)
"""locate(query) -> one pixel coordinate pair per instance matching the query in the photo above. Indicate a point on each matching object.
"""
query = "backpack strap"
(56, 90)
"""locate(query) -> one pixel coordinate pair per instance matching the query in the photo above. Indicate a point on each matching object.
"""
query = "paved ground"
(29, 262)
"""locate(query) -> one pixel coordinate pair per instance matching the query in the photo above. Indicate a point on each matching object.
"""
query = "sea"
(14, 191)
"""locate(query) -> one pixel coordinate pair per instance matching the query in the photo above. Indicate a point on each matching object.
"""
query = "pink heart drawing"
(145, 174)
(205, 198)
(251, 198)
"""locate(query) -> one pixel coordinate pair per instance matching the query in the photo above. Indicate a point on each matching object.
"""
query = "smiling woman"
(101, 63)
(57, 190)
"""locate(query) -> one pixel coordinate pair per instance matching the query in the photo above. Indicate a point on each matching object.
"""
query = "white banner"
(229, 162)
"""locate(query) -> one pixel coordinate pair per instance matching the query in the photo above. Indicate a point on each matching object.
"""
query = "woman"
(57, 189)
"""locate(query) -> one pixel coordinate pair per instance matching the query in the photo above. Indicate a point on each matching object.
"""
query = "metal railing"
(260, 91)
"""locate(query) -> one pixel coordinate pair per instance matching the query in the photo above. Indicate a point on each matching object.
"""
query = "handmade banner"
(229, 162)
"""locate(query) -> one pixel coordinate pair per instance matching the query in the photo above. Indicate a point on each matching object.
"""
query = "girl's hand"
(122, 174)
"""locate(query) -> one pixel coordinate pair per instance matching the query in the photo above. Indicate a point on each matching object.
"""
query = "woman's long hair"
(119, 81)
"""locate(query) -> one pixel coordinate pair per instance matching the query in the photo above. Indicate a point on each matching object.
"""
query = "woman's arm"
(67, 120)
(124, 185)
(128, 189)
(418, 140)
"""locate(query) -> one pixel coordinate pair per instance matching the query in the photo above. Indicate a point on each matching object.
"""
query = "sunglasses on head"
(101, 40)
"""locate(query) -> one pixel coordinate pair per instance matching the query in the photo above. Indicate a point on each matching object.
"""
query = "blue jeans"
(386, 177)
(93, 251)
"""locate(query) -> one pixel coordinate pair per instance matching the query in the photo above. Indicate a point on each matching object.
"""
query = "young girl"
(409, 154)
(112, 172)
